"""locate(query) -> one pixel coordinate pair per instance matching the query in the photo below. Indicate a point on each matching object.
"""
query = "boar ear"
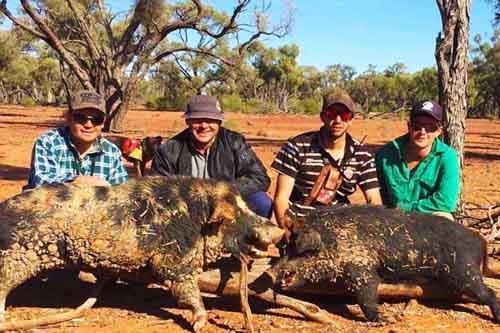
(223, 213)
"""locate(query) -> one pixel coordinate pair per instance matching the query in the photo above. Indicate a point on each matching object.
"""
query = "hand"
(90, 181)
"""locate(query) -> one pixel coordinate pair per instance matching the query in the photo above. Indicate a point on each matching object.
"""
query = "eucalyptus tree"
(110, 52)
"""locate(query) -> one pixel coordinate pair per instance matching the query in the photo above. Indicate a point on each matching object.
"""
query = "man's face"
(86, 125)
(337, 119)
(204, 130)
(423, 130)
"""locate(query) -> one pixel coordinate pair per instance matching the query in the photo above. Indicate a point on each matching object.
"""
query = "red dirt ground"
(129, 308)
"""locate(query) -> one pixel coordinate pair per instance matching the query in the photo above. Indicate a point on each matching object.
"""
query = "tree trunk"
(452, 47)
(114, 122)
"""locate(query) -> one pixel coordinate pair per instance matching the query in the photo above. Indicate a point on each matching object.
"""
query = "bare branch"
(91, 46)
(107, 25)
(196, 50)
(19, 23)
(56, 44)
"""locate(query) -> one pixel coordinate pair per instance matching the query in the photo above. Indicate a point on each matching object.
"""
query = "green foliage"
(484, 90)
(163, 103)
(27, 101)
(231, 103)
(308, 105)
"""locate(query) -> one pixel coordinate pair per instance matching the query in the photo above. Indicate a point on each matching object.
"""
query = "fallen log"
(260, 286)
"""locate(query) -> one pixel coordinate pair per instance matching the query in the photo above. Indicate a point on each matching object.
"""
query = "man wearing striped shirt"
(77, 152)
(302, 159)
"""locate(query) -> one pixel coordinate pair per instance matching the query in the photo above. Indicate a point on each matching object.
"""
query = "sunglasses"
(81, 118)
(345, 115)
(429, 128)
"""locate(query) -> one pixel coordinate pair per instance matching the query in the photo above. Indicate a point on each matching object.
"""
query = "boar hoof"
(199, 320)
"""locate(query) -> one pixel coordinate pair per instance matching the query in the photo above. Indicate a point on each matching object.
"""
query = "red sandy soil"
(130, 308)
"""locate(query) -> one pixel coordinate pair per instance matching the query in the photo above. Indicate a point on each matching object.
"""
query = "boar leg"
(14, 272)
(472, 284)
(187, 293)
(363, 282)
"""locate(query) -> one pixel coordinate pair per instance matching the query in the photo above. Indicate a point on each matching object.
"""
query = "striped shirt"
(303, 157)
(56, 160)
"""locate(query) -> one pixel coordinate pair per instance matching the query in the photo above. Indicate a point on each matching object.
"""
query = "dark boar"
(147, 147)
(154, 229)
(358, 247)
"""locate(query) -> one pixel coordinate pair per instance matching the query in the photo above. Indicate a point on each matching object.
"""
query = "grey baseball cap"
(203, 106)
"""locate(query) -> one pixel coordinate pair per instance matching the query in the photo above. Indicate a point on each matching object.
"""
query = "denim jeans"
(260, 203)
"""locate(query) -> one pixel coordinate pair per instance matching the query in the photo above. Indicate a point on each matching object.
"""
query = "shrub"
(231, 103)
(27, 101)
(309, 105)
(164, 103)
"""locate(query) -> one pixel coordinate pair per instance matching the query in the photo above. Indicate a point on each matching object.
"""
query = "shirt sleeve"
(44, 165)
(118, 173)
(251, 175)
(445, 196)
(368, 177)
(287, 160)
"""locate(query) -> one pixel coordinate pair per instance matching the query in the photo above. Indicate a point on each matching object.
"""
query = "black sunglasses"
(81, 118)
(429, 128)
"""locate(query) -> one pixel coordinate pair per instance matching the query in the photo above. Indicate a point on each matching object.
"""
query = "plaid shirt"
(56, 160)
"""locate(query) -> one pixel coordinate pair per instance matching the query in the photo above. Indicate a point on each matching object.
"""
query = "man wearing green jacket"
(417, 171)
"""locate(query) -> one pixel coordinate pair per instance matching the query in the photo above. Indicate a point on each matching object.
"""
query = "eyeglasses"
(429, 128)
(345, 115)
(81, 118)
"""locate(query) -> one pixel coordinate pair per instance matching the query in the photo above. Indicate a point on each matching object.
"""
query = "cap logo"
(88, 97)
(427, 106)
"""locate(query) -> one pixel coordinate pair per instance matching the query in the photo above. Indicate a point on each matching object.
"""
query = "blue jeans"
(260, 203)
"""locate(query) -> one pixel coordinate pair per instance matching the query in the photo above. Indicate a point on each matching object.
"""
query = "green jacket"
(433, 186)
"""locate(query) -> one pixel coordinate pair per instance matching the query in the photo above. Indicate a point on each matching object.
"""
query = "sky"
(362, 32)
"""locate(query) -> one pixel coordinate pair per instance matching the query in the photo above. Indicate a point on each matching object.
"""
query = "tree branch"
(6, 11)
(57, 45)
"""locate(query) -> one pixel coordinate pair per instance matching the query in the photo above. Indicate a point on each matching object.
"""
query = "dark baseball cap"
(427, 108)
(203, 106)
(338, 97)
(87, 99)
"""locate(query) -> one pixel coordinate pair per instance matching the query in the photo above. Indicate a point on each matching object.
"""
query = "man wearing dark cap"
(321, 168)
(417, 171)
(77, 152)
(207, 150)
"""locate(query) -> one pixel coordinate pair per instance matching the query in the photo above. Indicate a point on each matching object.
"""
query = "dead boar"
(359, 247)
(153, 229)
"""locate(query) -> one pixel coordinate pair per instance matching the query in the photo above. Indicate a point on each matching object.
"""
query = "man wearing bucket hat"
(417, 171)
(77, 152)
(324, 167)
(205, 149)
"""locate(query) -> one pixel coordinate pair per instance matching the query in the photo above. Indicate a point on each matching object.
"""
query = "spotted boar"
(153, 229)
(358, 247)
